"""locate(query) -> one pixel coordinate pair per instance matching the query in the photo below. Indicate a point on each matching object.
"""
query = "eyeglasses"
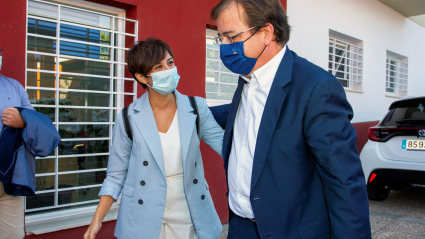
(229, 39)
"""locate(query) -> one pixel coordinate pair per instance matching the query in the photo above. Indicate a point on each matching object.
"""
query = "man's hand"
(12, 118)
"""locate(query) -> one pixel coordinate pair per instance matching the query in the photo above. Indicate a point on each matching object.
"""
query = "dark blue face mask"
(234, 58)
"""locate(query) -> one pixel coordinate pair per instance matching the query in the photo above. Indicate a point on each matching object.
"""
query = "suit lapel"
(228, 133)
(271, 114)
(144, 120)
(186, 123)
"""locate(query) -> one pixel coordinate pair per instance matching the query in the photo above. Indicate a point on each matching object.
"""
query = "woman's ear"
(141, 78)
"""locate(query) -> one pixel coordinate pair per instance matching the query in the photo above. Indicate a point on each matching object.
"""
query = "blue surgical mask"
(234, 58)
(166, 81)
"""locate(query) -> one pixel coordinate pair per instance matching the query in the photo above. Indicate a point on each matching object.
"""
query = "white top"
(171, 149)
(245, 131)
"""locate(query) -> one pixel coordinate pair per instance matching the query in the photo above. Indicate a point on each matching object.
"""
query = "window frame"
(215, 102)
(63, 219)
(401, 73)
(353, 71)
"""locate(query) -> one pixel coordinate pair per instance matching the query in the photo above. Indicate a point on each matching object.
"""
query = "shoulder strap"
(127, 124)
(196, 112)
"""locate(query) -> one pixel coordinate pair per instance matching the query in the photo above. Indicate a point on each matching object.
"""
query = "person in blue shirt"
(12, 95)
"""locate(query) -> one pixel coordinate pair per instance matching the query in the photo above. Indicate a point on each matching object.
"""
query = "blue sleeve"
(332, 139)
(211, 132)
(220, 114)
(40, 135)
(118, 162)
(25, 103)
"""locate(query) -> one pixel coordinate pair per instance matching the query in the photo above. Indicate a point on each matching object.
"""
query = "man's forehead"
(231, 19)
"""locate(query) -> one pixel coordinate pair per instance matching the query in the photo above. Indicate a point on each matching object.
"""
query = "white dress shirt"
(171, 149)
(245, 131)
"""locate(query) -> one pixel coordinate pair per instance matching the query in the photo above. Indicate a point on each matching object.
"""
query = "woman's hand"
(92, 230)
(102, 209)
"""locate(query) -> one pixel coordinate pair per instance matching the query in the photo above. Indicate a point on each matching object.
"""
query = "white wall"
(379, 27)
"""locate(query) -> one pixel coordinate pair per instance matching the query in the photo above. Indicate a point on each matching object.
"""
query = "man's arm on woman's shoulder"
(220, 114)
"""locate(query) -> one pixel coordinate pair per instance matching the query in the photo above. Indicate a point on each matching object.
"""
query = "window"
(410, 112)
(396, 75)
(221, 83)
(346, 60)
(76, 75)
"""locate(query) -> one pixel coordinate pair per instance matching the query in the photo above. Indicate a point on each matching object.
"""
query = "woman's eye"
(171, 63)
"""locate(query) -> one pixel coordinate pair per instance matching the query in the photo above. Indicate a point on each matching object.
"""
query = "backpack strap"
(196, 112)
(127, 124)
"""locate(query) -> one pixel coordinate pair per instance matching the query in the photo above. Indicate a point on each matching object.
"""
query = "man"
(12, 94)
(17, 169)
(289, 148)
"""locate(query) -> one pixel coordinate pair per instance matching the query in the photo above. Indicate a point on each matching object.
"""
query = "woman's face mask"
(166, 81)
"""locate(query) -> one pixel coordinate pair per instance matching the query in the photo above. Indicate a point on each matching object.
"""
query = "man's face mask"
(233, 56)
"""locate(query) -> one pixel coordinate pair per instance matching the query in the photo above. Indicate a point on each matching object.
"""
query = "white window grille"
(220, 83)
(76, 74)
(346, 63)
(396, 76)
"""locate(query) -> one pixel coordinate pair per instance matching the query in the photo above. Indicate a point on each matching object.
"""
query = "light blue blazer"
(130, 163)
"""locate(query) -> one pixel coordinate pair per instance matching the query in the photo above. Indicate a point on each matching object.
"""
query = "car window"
(406, 112)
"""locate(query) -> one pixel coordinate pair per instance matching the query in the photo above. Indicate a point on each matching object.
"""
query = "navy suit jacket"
(19, 147)
(307, 179)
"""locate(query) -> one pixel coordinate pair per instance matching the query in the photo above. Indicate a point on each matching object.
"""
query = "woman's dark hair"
(258, 13)
(144, 55)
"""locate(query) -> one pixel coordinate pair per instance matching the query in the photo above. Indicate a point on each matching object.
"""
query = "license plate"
(413, 144)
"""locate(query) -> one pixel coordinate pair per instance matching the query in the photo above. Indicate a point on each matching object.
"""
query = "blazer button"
(142, 183)
(195, 181)
(140, 201)
(203, 197)
(145, 163)
(195, 164)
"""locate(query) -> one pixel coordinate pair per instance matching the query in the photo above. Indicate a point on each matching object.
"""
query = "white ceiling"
(412, 9)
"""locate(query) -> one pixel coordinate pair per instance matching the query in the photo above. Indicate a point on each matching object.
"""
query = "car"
(394, 156)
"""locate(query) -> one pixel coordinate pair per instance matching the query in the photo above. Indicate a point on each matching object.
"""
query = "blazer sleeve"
(119, 158)
(210, 131)
(332, 139)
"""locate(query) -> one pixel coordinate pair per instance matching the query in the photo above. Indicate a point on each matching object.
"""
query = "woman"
(164, 191)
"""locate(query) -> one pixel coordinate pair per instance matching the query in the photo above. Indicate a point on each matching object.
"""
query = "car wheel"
(377, 192)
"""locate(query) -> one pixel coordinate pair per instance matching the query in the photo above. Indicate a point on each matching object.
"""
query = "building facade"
(377, 53)
(70, 57)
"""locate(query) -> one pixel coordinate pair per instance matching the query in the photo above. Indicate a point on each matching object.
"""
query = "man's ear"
(141, 78)
(268, 30)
